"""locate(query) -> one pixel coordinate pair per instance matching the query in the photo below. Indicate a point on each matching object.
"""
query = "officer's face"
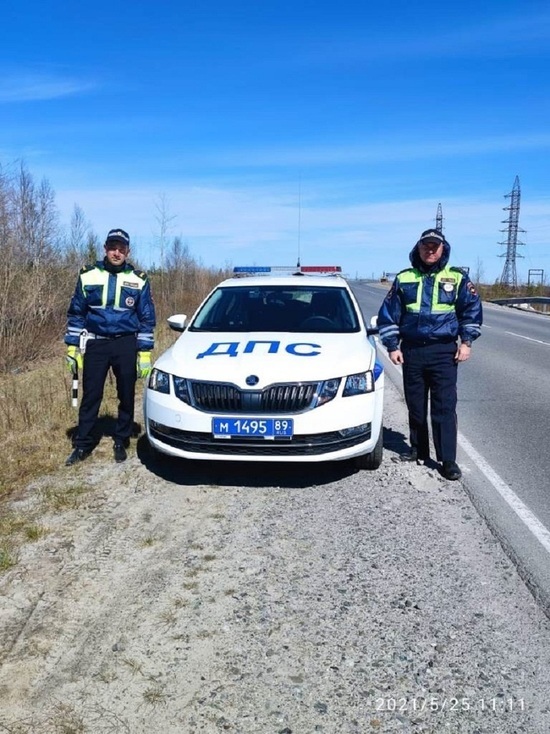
(116, 252)
(430, 252)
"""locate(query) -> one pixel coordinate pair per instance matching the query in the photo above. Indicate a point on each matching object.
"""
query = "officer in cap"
(428, 322)
(112, 315)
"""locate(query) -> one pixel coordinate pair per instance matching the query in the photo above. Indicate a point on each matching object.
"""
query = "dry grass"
(37, 420)
(154, 696)
(36, 417)
(59, 498)
(8, 555)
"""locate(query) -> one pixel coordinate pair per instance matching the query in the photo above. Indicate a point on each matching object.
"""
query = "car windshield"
(278, 308)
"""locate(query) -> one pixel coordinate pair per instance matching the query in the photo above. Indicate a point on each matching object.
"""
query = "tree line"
(39, 263)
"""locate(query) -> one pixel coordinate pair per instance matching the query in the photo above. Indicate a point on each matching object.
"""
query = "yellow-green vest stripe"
(96, 277)
(415, 276)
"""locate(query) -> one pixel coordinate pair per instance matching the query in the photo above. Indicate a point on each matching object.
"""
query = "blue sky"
(270, 129)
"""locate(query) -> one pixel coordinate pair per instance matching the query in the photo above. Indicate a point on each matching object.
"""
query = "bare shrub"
(183, 281)
(34, 288)
(38, 270)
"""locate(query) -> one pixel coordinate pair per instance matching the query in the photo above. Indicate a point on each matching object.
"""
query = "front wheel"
(374, 459)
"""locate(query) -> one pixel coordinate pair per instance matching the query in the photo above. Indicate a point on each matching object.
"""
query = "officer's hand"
(143, 364)
(396, 356)
(463, 353)
(74, 359)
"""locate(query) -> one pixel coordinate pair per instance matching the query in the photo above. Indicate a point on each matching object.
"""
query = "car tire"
(374, 459)
(154, 453)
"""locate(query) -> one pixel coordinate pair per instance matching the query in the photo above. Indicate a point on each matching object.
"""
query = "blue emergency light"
(251, 269)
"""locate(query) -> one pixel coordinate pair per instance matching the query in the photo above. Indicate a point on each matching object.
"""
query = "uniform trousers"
(101, 354)
(430, 371)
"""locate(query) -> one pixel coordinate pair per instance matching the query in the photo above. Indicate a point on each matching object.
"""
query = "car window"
(278, 308)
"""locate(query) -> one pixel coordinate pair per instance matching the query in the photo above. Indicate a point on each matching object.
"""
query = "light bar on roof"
(265, 269)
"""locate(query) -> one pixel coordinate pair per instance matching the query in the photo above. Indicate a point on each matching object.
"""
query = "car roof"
(293, 281)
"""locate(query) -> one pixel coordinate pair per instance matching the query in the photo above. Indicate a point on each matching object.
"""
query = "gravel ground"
(183, 598)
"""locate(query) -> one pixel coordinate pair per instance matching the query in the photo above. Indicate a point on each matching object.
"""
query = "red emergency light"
(320, 268)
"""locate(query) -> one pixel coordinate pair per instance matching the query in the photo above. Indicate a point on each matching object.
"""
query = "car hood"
(269, 357)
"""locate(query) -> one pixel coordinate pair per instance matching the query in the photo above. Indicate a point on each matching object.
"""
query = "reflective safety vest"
(112, 304)
(424, 308)
(434, 293)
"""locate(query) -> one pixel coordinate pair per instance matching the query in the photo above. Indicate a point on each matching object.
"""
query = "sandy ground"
(212, 597)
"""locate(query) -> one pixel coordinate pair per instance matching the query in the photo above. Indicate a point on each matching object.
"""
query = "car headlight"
(359, 384)
(328, 390)
(159, 381)
(181, 388)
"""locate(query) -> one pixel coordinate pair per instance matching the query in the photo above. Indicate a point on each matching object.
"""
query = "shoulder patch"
(86, 269)
(141, 274)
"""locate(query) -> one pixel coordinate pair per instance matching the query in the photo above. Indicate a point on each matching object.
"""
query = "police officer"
(112, 312)
(428, 308)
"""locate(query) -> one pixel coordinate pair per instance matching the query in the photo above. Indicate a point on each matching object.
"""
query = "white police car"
(271, 367)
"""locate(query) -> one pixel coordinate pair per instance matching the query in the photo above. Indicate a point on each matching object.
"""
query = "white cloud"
(503, 35)
(31, 87)
(376, 151)
(262, 226)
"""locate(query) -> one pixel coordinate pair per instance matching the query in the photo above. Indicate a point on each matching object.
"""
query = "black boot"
(451, 470)
(76, 456)
(119, 453)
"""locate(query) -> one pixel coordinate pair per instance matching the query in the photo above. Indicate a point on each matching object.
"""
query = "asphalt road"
(504, 420)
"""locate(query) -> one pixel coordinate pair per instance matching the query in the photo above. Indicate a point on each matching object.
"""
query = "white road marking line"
(531, 521)
(540, 531)
(538, 341)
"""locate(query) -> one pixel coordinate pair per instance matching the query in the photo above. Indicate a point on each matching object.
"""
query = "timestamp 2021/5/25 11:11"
(497, 704)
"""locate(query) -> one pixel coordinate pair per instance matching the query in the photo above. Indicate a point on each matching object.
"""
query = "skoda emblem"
(252, 380)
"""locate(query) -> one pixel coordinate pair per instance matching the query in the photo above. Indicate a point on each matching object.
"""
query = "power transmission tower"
(509, 275)
(439, 219)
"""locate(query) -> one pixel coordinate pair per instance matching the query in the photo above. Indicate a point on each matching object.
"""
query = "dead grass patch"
(57, 499)
(154, 696)
(8, 556)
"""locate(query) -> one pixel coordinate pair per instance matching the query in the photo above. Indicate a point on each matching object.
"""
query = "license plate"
(252, 427)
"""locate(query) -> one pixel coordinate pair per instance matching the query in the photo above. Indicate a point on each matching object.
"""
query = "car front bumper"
(341, 429)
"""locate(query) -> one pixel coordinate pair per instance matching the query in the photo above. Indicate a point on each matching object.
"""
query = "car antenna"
(299, 216)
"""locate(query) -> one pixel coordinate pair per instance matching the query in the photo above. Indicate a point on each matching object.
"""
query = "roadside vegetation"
(39, 263)
(497, 290)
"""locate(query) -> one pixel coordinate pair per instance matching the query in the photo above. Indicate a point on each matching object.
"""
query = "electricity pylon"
(439, 219)
(509, 275)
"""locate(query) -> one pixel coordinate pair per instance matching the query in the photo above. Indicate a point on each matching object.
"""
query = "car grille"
(298, 445)
(220, 397)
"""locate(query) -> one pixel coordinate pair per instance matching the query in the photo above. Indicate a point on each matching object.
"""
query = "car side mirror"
(372, 328)
(177, 322)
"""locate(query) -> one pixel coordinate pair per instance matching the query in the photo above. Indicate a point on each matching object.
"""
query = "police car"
(273, 366)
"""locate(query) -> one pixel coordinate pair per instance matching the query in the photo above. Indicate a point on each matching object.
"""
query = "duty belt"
(111, 336)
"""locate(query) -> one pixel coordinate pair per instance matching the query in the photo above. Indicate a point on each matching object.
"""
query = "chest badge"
(129, 301)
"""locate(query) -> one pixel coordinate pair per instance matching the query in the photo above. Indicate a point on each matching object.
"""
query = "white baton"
(75, 389)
